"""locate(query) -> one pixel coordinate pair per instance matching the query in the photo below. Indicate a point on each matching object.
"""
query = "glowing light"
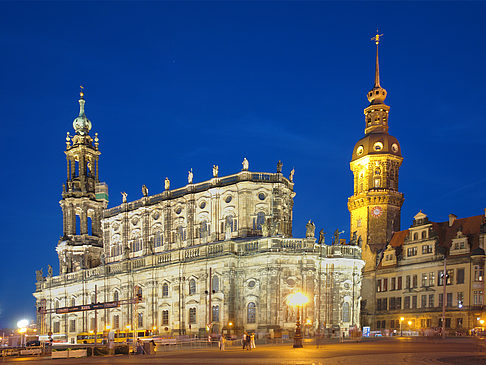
(402, 319)
(22, 330)
(22, 323)
(481, 321)
(154, 328)
(108, 327)
(297, 299)
(409, 323)
(128, 326)
(230, 324)
(309, 322)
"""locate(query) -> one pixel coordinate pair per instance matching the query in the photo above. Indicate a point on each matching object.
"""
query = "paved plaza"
(469, 351)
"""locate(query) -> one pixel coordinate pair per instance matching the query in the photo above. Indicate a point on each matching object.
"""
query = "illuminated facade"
(205, 254)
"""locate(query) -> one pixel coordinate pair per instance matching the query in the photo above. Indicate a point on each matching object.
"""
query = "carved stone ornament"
(116, 226)
(135, 221)
(155, 215)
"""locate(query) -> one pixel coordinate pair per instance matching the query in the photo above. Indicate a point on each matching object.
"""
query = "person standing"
(252, 341)
(222, 342)
(245, 335)
(248, 342)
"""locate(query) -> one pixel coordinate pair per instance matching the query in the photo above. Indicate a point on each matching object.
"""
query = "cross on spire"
(377, 39)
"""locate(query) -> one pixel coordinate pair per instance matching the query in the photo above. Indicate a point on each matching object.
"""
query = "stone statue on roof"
(322, 237)
(49, 271)
(245, 164)
(144, 190)
(291, 176)
(39, 275)
(124, 197)
(190, 176)
(167, 183)
(279, 166)
(310, 229)
(215, 170)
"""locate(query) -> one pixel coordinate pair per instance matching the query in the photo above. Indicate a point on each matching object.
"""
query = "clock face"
(376, 211)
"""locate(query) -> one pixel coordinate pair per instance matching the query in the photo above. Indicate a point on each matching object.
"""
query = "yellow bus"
(119, 336)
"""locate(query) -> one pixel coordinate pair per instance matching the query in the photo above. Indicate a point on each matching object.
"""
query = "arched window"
(116, 297)
(415, 236)
(204, 229)
(93, 298)
(424, 234)
(181, 234)
(229, 222)
(346, 313)
(192, 315)
(215, 313)
(215, 283)
(251, 313)
(56, 304)
(73, 302)
(260, 220)
(377, 183)
(140, 320)
(192, 286)
(136, 243)
(158, 239)
(165, 290)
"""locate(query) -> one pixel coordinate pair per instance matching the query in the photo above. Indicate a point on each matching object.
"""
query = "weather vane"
(377, 37)
(81, 93)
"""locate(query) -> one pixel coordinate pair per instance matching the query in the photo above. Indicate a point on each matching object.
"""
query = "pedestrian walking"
(248, 342)
(243, 340)
(222, 342)
(252, 341)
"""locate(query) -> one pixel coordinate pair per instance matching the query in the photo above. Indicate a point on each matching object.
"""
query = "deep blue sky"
(170, 86)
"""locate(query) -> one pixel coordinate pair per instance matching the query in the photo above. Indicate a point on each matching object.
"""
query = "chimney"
(452, 218)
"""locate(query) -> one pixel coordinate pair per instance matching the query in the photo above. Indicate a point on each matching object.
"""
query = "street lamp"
(22, 328)
(401, 320)
(297, 300)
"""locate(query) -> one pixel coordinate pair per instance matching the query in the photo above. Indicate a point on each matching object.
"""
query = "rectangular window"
(192, 315)
(165, 317)
(57, 327)
(441, 300)
(478, 297)
(440, 277)
(406, 303)
(412, 251)
(459, 322)
(449, 300)
(392, 303)
(431, 300)
(392, 323)
(423, 323)
(385, 285)
(426, 249)
(424, 301)
(383, 324)
(460, 276)
(448, 323)
(414, 302)
(378, 285)
(378, 324)
(414, 281)
(116, 321)
(425, 280)
(429, 323)
(407, 282)
(432, 279)
(378, 304)
(398, 303)
(384, 304)
(478, 273)
(393, 284)
(140, 320)
(215, 314)
(450, 277)
(399, 283)
(72, 325)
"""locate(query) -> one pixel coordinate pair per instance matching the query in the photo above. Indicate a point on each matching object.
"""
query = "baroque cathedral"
(208, 257)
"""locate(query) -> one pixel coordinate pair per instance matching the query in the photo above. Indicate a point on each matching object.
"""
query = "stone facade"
(191, 258)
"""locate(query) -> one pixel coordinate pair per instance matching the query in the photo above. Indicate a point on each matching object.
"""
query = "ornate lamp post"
(297, 300)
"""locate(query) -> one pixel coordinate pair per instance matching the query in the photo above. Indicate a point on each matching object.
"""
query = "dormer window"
(415, 236)
(459, 245)
(412, 251)
(424, 234)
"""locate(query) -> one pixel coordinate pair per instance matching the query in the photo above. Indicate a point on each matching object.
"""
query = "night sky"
(180, 85)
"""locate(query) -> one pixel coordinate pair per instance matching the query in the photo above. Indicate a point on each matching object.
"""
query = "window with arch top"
(215, 283)
(251, 313)
(192, 286)
(165, 290)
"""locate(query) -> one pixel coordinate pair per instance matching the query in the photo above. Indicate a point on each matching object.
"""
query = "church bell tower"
(83, 199)
(376, 203)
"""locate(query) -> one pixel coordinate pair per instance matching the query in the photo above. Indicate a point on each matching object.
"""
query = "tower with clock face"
(376, 203)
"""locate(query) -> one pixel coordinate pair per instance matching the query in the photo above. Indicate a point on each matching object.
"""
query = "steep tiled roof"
(470, 227)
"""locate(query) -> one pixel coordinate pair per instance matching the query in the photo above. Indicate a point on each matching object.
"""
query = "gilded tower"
(376, 202)
(83, 199)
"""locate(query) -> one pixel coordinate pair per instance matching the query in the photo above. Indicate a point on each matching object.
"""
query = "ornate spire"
(82, 124)
(376, 38)
(377, 112)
